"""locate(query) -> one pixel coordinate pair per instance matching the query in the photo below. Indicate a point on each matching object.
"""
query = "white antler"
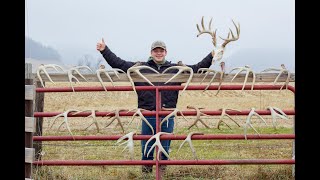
(130, 143)
(274, 113)
(116, 71)
(224, 113)
(116, 117)
(93, 115)
(76, 70)
(222, 64)
(199, 113)
(188, 139)
(248, 71)
(65, 120)
(157, 143)
(136, 68)
(139, 113)
(248, 122)
(181, 69)
(42, 69)
(173, 113)
(282, 70)
(218, 50)
(103, 70)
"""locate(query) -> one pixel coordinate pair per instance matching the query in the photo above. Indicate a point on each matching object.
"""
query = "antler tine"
(227, 40)
(168, 116)
(173, 113)
(116, 71)
(220, 82)
(202, 23)
(287, 81)
(212, 79)
(208, 71)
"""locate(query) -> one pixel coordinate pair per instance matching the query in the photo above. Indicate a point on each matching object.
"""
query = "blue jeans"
(147, 131)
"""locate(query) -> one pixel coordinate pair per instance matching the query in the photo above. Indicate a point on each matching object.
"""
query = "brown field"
(210, 149)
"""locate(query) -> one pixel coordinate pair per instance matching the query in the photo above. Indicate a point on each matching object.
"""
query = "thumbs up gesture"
(101, 45)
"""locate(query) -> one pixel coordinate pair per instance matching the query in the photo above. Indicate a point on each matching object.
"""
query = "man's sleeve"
(114, 61)
(205, 63)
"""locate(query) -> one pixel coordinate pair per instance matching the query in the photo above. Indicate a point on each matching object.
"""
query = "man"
(147, 99)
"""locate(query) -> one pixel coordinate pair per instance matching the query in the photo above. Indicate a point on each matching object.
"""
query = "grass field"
(205, 149)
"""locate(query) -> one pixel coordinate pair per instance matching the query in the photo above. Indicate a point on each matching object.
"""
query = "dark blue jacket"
(147, 99)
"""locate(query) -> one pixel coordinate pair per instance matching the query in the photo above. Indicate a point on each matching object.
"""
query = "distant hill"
(36, 50)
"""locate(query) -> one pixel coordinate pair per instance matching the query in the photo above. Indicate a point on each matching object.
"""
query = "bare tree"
(88, 60)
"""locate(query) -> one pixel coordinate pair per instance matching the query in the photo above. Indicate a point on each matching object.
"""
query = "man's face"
(158, 54)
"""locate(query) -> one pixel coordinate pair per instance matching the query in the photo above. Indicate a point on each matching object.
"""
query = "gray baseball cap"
(159, 44)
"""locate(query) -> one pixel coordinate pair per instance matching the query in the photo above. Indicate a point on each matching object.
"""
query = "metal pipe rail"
(161, 113)
(166, 137)
(191, 87)
(162, 162)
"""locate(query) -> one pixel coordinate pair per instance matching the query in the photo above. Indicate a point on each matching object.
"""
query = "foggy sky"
(73, 27)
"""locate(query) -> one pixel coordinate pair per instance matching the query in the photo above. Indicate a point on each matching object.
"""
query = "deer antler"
(139, 113)
(205, 31)
(248, 122)
(233, 38)
(188, 139)
(282, 70)
(249, 70)
(181, 69)
(223, 113)
(136, 68)
(65, 120)
(75, 69)
(222, 65)
(217, 52)
(157, 143)
(274, 114)
(93, 115)
(102, 70)
(130, 143)
(42, 68)
(116, 71)
(116, 117)
(199, 113)
(174, 112)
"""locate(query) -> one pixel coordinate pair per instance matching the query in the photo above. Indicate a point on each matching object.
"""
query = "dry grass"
(212, 149)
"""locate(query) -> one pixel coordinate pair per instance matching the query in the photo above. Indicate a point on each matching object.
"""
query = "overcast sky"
(73, 27)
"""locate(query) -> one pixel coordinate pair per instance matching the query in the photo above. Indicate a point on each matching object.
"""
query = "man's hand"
(101, 45)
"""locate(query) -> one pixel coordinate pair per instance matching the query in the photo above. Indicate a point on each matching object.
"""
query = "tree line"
(36, 50)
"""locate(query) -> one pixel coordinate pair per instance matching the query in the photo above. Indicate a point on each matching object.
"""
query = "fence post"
(39, 104)
(29, 120)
